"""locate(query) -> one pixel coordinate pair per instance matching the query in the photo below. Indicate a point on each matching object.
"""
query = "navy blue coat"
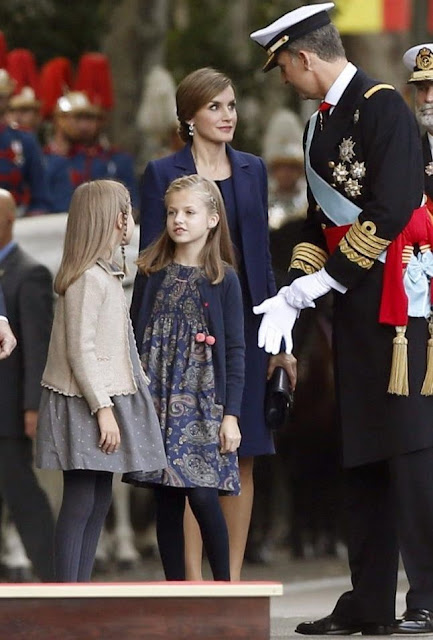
(222, 306)
(251, 192)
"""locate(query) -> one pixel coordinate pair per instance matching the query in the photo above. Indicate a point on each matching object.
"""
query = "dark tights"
(86, 500)
(204, 502)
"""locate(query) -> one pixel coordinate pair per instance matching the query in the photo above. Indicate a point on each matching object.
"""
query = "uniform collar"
(340, 84)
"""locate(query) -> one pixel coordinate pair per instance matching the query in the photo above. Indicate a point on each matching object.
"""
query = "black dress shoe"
(415, 621)
(334, 626)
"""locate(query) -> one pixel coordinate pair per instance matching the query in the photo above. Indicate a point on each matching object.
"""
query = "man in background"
(27, 289)
(22, 171)
(419, 61)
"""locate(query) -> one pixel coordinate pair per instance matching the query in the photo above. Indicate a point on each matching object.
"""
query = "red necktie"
(325, 106)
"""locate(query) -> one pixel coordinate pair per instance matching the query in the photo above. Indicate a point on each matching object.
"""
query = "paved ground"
(311, 587)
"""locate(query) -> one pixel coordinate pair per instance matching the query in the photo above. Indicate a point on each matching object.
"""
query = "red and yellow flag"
(374, 16)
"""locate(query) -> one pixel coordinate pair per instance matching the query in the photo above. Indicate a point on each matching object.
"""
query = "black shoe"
(334, 626)
(415, 621)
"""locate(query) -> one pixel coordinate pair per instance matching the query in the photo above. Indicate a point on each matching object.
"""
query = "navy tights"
(86, 500)
(204, 502)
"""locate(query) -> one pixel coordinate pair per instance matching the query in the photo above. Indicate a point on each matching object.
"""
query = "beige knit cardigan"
(89, 354)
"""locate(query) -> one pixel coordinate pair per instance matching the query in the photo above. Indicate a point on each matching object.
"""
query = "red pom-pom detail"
(200, 337)
(210, 340)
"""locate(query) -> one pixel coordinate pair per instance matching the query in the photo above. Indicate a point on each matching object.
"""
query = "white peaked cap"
(290, 27)
(419, 61)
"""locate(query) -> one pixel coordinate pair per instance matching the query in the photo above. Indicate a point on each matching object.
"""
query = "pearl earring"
(191, 129)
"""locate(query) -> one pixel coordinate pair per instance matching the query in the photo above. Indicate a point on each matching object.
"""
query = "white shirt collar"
(340, 84)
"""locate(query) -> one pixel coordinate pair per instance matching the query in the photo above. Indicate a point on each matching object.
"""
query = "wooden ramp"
(137, 611)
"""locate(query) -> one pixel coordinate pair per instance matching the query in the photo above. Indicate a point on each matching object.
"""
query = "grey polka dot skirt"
(68, 435)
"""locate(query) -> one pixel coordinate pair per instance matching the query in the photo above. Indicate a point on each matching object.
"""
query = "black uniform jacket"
(28, 292)
(369, 149)
(428, 170)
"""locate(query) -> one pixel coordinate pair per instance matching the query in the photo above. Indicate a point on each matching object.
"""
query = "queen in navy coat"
(207, 113)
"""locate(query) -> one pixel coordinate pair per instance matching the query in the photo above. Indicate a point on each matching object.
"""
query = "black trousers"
(388, 507)
(28, 504)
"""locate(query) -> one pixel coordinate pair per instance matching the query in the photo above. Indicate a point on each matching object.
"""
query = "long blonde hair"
(92, 217)
(218, 250)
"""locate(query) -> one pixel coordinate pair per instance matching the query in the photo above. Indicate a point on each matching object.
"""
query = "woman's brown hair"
(218, 250)
(194, 92)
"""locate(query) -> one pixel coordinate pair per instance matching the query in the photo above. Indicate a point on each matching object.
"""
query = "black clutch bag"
(279, 399)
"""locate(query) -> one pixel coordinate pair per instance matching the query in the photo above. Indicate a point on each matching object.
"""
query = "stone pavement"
(311, 587)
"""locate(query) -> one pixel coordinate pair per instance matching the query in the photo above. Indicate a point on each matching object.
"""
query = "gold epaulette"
(361, 245)
(308, 257)
(377, 87)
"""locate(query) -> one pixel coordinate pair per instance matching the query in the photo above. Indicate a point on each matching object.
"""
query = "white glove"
(277, 323)
(304, 290)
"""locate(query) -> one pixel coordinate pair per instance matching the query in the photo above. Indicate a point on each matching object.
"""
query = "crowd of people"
(175, 399)
(52, 135)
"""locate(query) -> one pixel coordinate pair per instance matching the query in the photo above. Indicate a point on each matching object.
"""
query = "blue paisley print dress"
(183, 390)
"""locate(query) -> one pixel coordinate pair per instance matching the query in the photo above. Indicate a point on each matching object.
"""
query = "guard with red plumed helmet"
(22, 170)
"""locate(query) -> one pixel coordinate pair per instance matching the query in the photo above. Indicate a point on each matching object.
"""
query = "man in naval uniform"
(419, 61)
(365, 177)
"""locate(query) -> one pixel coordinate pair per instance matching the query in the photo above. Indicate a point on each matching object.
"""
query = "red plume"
(21, 66)
(55, 80)
(3, 50)
(94, 78)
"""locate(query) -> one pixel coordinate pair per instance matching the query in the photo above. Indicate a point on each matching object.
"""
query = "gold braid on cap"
(423, 66)
(424, 59)
(361, 245)
(308, 257)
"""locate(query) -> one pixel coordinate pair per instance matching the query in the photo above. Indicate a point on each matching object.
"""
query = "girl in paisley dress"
(190, 336)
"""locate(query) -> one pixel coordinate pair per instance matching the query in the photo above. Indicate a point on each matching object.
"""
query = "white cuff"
(329, 280)
(4, 318)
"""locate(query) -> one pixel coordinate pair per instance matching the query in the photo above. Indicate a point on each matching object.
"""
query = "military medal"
(429, 169)
(357, 170)
(349, 172)
(352, 188)
(346, 149)
(17, 148)
(340, 173)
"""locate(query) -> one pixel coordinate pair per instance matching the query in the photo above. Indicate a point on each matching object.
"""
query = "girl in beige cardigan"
(96, 415)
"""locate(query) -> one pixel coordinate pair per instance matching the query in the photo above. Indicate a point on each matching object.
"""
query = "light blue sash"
(417, 284)
(339, 209)
(342, 211)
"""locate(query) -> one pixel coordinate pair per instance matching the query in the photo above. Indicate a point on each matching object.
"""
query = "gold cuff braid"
(308, 257)
(361, 245)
